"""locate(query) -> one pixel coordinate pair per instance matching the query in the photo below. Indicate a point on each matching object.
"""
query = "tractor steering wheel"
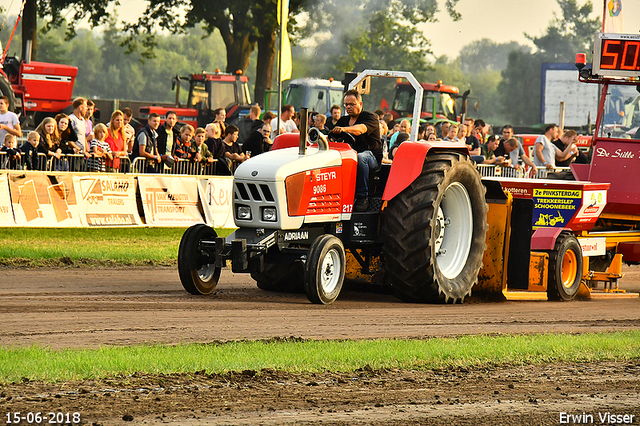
(343, 137)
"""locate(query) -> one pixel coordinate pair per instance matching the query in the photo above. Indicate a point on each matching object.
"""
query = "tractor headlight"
(243, 213)
(269, 214)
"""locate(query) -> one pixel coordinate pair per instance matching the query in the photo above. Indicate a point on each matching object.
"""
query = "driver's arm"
(355, 130)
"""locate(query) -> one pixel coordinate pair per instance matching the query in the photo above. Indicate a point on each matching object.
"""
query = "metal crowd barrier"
(179, 167)
(22, 164)
(489, 170)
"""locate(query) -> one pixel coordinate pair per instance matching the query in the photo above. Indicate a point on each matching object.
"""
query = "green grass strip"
(99, 246)
(45, 364)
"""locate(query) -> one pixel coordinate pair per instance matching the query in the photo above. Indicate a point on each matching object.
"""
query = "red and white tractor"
(296, 228)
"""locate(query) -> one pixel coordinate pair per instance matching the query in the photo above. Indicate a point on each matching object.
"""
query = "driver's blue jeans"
(367, 162)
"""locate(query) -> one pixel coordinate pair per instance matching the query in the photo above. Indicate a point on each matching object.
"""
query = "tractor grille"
(253, 192)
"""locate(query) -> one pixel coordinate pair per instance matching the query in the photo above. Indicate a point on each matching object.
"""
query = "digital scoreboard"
(616, 55)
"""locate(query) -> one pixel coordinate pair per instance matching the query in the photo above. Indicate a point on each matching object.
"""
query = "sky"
(500, 21)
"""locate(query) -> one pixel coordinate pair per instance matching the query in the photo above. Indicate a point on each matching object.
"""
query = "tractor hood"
(276, 166)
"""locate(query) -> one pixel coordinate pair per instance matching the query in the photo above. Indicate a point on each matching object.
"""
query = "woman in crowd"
(69, 143)
(68, 138)
(50, 143)
(116, 137)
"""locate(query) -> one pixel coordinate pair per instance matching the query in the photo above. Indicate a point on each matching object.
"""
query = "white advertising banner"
(169, 200)
(6, 211)
(43, 199)
(107, 200)
(216, 195)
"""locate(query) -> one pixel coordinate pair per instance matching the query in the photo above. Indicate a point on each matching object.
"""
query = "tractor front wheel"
(196, 266)
(325, 270)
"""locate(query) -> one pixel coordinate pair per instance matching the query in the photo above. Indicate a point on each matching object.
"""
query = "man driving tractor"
(364, 128)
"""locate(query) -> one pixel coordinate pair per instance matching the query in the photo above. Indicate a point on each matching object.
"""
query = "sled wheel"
(325, 270)
(565, 268)
(434, 231)
(196, 266)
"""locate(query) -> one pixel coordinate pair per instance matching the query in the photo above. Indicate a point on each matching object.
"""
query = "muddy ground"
(96, 307)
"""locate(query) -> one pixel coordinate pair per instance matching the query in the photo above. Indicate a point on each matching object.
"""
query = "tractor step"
(525, 295)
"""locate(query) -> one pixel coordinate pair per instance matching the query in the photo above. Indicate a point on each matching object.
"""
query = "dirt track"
(93, 307)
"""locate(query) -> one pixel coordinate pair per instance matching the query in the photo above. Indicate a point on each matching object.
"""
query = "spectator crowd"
(73, 143)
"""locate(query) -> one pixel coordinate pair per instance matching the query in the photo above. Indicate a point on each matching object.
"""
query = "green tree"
(356, 35)
(241, 23)
(564, 37)
(59, 12)
(487, 55)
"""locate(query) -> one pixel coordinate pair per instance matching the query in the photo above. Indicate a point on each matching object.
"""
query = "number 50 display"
(616, 55)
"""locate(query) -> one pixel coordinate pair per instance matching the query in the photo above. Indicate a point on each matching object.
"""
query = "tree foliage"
(520, 89)
(355, 35)
(487, 55)
(242, 24)
(573, 32)
(105, 71)
(56, 13)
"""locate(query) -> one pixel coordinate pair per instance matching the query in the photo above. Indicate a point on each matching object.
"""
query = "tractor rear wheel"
(434, 232)
(325, 270)
(565, 268)
(197, 269)
(282, 277)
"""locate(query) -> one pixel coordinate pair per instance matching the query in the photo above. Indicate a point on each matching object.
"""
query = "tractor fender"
(409, 161)
(286, 140)
(545, 238)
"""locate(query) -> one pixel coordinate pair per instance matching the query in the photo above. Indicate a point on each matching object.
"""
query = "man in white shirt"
(287, 125)
(79, 123)
(546, 153)
(9, 122)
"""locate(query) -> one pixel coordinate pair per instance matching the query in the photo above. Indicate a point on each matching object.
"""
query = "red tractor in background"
(36, 89)
(207, 91)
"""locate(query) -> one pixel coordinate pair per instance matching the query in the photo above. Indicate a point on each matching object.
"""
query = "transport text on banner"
(216, 195)
(107, 200)
(169, 200)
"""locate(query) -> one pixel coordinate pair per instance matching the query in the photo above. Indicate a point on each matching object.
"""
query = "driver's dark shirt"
(370, 140)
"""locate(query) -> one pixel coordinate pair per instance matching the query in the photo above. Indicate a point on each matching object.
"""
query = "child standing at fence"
(201, 152)
(12, 155)
(30, 152)
(100, 150)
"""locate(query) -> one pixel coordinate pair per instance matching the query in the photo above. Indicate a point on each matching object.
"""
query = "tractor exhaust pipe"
(28, 51)
(304, 115)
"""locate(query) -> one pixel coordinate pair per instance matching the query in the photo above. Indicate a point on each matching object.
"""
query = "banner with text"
(216, 195)
(107, 200)
(6, 212)
(43, 199)
(169, 200)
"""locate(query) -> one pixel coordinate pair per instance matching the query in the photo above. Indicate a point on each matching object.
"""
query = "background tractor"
(207, 91)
